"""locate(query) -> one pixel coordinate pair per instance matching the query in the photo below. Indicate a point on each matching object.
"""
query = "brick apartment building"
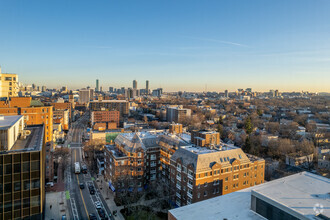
(199, 173)
(106, 119)
(175, 128)
(63, 106)
(132, 162)
(111, 105)
(192, 173)
(205, 138)
(63, 114)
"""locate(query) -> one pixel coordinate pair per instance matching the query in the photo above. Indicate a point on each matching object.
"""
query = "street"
(81, 203)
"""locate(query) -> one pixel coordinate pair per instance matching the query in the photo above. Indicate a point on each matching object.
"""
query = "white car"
(98, 205)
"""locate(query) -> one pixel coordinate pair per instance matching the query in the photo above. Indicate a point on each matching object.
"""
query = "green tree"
(247, 145)
(248, 126)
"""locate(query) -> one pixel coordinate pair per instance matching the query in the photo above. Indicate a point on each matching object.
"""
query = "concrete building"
(84, 96)
(300, 196)
(11, 127)
(176, 114)
(8, 85)
(97, 88)
(22, 170)
(134, 84)
(147, 87)
(199, 173)
(157, 92)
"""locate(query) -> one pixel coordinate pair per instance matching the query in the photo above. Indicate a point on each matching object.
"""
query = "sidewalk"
(109, 198)
(59, 205)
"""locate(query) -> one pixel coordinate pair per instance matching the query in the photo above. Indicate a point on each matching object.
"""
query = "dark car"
(81, 186)
(102, 214)
(92, 216)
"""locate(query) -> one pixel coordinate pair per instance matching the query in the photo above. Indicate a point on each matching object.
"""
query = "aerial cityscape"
(165, 110)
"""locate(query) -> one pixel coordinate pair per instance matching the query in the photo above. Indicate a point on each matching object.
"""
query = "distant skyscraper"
(147, 86)
(226, 93)
(134, 84)
(111, 89)
(43, 88)
(97, 89)
(84, 96)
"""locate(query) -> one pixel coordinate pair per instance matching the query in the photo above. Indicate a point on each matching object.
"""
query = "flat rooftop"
(199, 150)
(299, 192)
(32, 142)
(8, 121)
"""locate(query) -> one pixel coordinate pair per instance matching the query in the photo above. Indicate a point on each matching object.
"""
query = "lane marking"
(75, 157)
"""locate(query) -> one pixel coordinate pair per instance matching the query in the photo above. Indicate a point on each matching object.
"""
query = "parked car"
(92, 191)
(92, 216)
(81, 186)
(98, 205)
(101, 213)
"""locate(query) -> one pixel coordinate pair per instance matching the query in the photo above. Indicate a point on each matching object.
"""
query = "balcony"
(178, 203)
(178, 178)
(190, 176)
(178, 186)
(190, 186)
(178, 169)
(178, 195)
(189, 195)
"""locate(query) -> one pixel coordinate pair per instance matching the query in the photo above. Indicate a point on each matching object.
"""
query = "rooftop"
(299, 193)
(105, 101)
(8, 121)
(32, 142)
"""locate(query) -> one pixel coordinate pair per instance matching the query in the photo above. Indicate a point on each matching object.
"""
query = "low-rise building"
(300, 196)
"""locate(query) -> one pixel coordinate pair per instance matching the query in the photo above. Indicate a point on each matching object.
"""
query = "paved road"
(81, 202)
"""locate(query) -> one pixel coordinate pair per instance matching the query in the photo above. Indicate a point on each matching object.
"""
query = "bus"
(76, 168)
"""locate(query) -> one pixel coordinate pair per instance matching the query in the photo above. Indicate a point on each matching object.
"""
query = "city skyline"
(175, 45)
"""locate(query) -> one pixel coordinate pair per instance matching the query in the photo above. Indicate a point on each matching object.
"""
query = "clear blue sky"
(178, 45)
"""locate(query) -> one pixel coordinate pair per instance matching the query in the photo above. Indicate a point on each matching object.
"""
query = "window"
(8, 169)
(198, 195)
(17, 186)
(7, 188)
(35, 201)
(205, 174)
(17, 168)
(153, 157)
(226, 188)
(205, 193)
(139, 154)
(226, 179)
(26, 185)
(221, 160)
(35, 183)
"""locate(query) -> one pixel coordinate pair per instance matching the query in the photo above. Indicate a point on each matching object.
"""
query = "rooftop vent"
(2, 117)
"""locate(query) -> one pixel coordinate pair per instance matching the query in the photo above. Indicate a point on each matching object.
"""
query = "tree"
(248, 126)
(247, 145)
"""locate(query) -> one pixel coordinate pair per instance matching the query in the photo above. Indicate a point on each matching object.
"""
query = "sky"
(184, 45)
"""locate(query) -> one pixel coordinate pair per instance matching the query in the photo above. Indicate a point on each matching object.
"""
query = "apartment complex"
(8, 85)
(62, 116)
(108, 119)
(199, 173)
(177, 113)
(64, 106)
(85, 96)
(192, 173)
(22, 169)
(300, 196)
(205, 138)
(133, 161)
(111, 105)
